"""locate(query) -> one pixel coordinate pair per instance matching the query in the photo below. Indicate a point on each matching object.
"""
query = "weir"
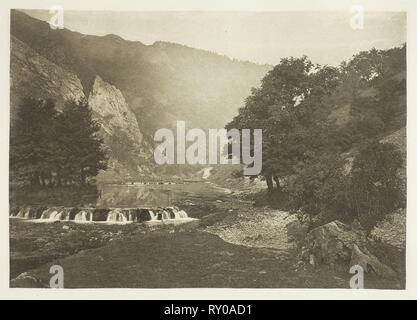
(109, 215)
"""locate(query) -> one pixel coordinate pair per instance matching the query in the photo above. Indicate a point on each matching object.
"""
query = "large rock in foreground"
(369, 262)
(331, 243)
(392, 230)
(336, 242)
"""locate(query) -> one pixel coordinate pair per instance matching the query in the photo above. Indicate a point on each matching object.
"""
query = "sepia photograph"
(207, 149)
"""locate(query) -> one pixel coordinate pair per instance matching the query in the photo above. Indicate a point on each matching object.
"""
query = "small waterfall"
(171, 212)
(56, 215)
(134, 215)
(67, 213)
(153, 215)
(83, 216)
(175, 214)
(115, 215)
(183, 214)
(23, 213)
(165, 215)
(51, 213)
(13, 211)
(178, 214)
(118, 215)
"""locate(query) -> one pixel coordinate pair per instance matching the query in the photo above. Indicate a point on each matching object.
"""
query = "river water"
(163, 194)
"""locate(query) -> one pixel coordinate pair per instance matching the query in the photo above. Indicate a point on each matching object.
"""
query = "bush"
(375, 184)
(367, 192)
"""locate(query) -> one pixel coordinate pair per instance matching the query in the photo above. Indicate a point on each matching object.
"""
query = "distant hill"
(155, 84)
(164, 80)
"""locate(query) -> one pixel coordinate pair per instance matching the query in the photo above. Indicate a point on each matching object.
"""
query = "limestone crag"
(110, 107)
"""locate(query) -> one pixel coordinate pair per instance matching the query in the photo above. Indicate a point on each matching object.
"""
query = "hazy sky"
(325, 37)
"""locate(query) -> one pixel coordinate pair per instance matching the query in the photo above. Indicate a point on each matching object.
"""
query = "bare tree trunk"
(42, 180)
(58, 178)
(34, 180)
(269, 183)
(276, 179)
(82, 176)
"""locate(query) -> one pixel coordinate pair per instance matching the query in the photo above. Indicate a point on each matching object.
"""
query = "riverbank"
(235, 244)
(170, 258)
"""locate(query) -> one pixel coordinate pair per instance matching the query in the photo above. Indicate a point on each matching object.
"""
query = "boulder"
(331, 243)
(337, 243)
(369, 262)
(392, 230)
(25, 280)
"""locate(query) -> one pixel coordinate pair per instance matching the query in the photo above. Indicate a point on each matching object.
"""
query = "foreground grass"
(180, 259)
(182, 256)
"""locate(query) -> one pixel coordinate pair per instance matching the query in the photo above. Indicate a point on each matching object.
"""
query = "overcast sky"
(325, 37)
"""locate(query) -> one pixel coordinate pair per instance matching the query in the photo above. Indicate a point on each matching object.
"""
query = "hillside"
(162, 82)
(141, 87)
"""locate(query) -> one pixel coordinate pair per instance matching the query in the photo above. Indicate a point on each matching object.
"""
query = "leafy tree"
(285, 108)
(338, 169)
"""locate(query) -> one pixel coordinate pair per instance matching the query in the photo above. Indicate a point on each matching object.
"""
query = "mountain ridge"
(160, 83)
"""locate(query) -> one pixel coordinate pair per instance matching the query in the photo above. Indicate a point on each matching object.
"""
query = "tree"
(286, 108)
(82, 153)
(32, 141)
(49, 147)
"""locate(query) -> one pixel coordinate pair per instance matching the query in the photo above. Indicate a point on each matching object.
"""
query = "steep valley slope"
(134, 89)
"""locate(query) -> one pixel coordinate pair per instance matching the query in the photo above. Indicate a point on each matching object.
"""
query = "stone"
(337, 243)
(331, 243)
(24, 280)
(369, 262)
(112, 110)
(392, 230)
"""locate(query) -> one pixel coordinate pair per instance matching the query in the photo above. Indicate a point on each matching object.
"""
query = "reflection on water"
(128, 195)
(151, 194)
(134, 195)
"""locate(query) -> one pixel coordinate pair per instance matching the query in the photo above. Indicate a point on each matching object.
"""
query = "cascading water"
(85, 215)
(81, 216)
(114, 215)
(23, 213)
(183, 214)
(55, 215)
(118, 215)
(152, 214)
(51, 213)
(165, 215)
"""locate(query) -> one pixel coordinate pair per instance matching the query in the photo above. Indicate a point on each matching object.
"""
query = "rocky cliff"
(162, 82)
(33, 75)
(120, 130)
(134, 89)
(111, 108)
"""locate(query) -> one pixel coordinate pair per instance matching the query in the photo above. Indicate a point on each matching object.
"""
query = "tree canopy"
(305, 150)
(48, 147)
